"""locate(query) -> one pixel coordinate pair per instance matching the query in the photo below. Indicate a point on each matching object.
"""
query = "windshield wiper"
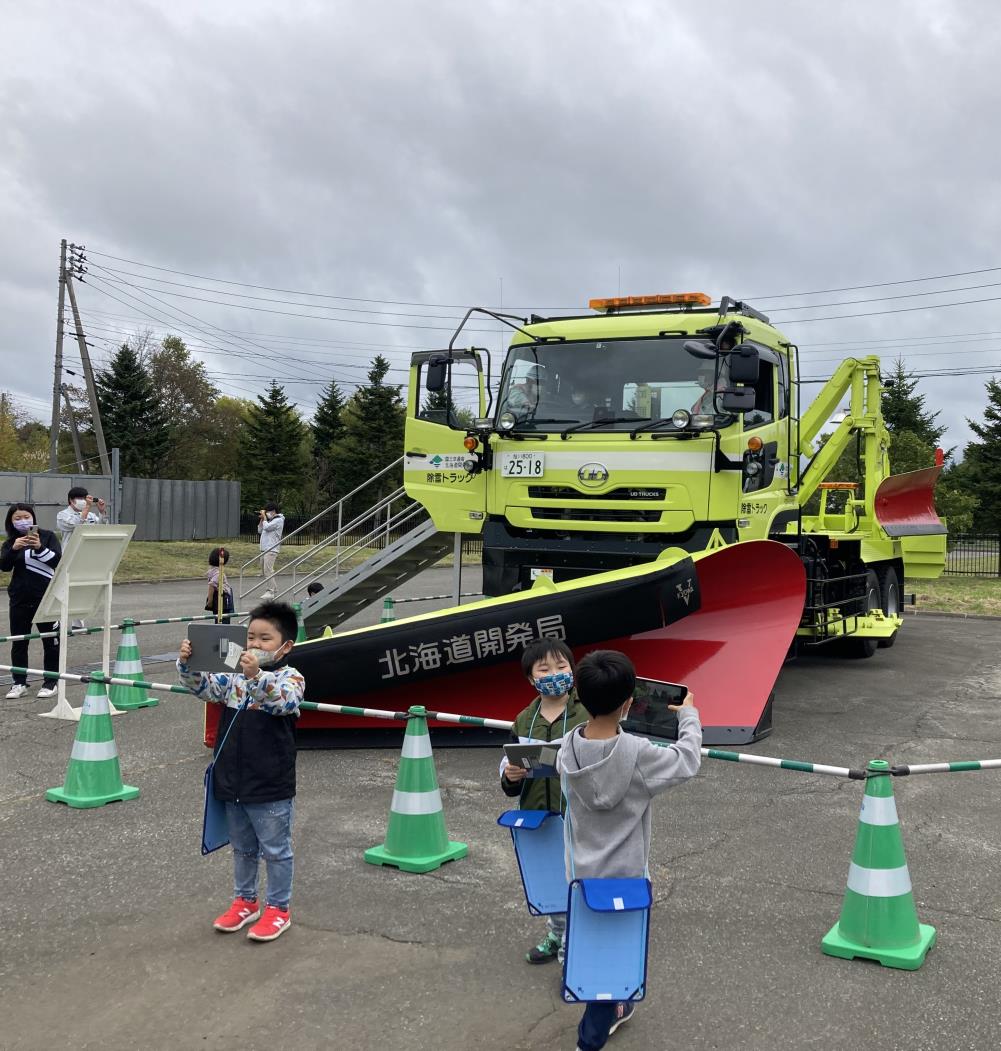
(655, 426)
(601, 423)
(549, 419)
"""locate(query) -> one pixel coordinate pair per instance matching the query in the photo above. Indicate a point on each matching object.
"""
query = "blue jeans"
(257, 829)
(592, 1033)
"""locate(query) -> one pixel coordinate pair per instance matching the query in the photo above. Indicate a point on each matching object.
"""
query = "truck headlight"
(506, 421)
(681, 418)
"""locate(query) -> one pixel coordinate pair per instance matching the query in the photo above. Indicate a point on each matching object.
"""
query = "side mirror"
(737, 399)
(700, 349)
(437, 375)
(744, 364)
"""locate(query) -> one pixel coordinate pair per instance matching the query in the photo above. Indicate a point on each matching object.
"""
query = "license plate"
(537, 571)
(522, 465)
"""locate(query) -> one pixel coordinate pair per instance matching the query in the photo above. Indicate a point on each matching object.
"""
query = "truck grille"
(564, 492)
(581, 514)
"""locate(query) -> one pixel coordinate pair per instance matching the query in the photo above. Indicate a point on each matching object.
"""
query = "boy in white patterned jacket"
(254, 770)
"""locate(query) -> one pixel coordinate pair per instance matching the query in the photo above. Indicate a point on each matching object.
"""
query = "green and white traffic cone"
(878, 918)
(416, 839)
(301, 635)
(129, 665)
(388, 611)
(93, 776)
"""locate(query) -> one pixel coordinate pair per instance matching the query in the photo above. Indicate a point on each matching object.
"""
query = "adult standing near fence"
(30, 555)
(79, 510)
(270, 526)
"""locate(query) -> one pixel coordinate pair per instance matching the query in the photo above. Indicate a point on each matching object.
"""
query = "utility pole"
(79, 270)
(73, 430)
(58, 380)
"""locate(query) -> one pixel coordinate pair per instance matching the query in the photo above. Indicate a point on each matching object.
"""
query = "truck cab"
(654, 422)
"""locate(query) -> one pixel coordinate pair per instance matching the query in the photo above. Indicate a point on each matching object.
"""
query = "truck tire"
(866, 647)
(889, 592)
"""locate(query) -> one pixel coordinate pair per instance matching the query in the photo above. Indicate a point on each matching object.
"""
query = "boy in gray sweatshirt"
(610, 780)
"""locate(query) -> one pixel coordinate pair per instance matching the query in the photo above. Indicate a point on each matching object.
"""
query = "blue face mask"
(22, 525)
(554, 685)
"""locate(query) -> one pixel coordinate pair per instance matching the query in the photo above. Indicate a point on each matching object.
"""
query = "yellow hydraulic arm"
(860, 377)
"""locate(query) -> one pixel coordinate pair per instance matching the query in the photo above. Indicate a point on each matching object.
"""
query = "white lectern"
(81, 587)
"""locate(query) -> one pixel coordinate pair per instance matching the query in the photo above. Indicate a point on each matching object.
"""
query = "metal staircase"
(364, 559)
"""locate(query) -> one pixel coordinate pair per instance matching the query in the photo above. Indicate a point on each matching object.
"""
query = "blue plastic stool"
(608, 938)
(538, 846)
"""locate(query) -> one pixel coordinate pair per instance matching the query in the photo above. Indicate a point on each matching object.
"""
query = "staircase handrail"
(337, 504)
(375, 509)
(412, 510)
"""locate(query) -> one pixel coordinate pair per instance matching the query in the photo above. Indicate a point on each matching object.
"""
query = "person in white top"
(270, 526)
(79, 510)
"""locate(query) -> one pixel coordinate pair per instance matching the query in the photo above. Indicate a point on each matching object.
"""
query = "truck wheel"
(889, 591)
(866, 647)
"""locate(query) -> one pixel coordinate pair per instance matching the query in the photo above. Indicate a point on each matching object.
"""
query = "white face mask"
(79, 505)
(265, 658)
(269, 515)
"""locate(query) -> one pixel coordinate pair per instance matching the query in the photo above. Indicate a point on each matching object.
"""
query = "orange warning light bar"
(664, 299)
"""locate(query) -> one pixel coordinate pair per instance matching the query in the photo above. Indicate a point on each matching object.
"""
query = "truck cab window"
(764, 397)
(457, 403)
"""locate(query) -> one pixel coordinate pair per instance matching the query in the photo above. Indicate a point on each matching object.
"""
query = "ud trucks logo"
(592, 475)
(685, 590)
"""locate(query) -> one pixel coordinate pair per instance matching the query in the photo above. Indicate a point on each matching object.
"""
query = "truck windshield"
(546, 387)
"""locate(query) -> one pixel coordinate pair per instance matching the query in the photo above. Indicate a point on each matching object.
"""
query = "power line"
(897, 310)
(878, 284)
(300, 292)
(886, 299)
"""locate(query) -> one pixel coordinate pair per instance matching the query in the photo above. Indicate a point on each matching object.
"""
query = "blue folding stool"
(538, 846)
(607, 940)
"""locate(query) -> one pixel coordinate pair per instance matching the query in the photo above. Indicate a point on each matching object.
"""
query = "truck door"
(435, 453)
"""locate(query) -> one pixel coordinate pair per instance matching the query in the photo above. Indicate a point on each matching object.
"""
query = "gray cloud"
(427, 152)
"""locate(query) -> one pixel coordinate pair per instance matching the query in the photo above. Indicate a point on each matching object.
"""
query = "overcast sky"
(451, 154)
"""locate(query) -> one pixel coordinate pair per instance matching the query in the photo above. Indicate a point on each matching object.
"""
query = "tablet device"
(538, 760)
(649, 714)
(216, 647)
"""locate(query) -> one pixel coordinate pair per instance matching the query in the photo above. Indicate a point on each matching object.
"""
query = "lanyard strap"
(228, 728)
(531, 728)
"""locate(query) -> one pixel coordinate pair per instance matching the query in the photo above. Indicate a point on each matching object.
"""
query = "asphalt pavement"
(106, 914)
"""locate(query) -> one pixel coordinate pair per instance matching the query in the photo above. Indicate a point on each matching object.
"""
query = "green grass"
(958, 594)
(188, 559)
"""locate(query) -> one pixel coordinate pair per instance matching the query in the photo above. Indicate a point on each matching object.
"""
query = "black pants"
(21, 616)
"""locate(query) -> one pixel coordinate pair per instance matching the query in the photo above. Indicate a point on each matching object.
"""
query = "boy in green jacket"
(549, 666)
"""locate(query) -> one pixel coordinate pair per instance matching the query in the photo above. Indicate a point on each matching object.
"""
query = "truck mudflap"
(904, 504)
(730, 653)
(720, 622)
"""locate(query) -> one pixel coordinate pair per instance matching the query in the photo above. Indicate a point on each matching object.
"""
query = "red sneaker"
(270, 925)
(238, 915)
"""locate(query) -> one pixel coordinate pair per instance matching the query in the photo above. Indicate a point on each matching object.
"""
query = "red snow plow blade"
(904, 504)
(720, 622)
(730, 652)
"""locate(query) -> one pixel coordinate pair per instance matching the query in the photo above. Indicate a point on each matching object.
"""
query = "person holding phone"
(80, 510)
(30, 555)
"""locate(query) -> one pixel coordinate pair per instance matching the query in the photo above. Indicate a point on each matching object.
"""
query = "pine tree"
(328, 422)
(132, 415)
(903, 410)
(272, 456)
(982, 462)
(373, 437)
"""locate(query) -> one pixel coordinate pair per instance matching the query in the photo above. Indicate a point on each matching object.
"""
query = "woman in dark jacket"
(30, 555)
